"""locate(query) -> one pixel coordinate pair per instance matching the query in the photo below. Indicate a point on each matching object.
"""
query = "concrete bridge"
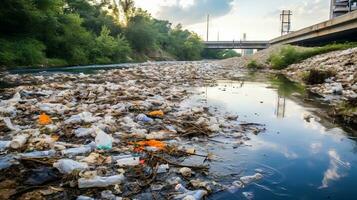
(343, 28)
(237, 44)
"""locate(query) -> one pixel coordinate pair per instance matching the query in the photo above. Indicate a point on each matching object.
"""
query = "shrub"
(289, 55)
(316, 76)
(253, 64)
(27, 51)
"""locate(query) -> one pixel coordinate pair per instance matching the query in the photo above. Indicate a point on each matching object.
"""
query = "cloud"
(332, 173)
(305, 13)
(195, 11)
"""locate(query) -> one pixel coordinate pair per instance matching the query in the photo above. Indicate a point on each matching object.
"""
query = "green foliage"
(228, 53)
(253, 64)
(141, 34)
(289, 54)
(184, 44)
(108, 48)
(22, 52)
(220, 54)
(78, 32)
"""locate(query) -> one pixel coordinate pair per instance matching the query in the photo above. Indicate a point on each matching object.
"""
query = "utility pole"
(218, 36)
(285, 18)
(207, 26)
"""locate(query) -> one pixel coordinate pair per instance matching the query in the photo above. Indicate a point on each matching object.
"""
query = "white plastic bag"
(66, 166)
(103, 140)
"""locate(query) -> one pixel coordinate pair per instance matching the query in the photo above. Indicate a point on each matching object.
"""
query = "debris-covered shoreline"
(333, 76)
(114, 134)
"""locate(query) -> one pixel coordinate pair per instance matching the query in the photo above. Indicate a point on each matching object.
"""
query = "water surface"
(302, 154)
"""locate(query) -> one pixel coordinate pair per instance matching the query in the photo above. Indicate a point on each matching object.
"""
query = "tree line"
(79, 32)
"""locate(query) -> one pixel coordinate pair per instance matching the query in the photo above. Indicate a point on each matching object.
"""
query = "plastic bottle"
(103, 140)
(98, 181)
(19, 141)
(126, 160)
(84, 198)
(10, 126)
(66, 166)
(181, 188)
(144, 118)
(4, 145)
(7, 161)
(79, 150)
(38, 154)
(189, 194)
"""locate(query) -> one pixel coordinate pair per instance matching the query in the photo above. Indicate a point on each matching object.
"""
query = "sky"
(229, 19)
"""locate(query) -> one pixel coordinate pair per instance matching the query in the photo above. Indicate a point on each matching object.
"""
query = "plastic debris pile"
(110, 135)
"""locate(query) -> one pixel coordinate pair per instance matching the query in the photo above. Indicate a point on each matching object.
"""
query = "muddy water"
(302, 154)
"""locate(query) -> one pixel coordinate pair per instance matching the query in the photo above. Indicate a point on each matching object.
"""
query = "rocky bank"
(339, 87)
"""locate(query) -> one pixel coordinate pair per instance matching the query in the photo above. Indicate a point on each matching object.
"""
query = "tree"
(128, 7)
(109, 49)
(95, 16)
(141, 33)
(184, 44)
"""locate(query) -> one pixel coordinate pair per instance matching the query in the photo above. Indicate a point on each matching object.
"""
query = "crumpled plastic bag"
(86, 117)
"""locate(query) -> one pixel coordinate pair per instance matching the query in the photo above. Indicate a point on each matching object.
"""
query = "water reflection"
(280, 107)
(334, 173)
(306, 155)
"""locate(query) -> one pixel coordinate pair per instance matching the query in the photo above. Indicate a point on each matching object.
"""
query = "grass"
(289, 54)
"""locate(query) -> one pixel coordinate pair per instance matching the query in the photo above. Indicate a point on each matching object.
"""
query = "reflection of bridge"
(343, 28)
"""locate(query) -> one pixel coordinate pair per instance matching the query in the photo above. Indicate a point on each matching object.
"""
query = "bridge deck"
(343, 28)
(237, 44)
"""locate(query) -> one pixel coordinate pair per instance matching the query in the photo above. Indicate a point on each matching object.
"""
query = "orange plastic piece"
(152, 143)
(157, 113)
(44, 119)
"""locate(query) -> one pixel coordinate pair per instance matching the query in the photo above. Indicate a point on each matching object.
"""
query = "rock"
(185, 171)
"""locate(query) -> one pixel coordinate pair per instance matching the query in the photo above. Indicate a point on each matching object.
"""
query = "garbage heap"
(115, 134)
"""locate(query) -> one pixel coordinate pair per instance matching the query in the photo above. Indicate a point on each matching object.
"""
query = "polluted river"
(169, 130)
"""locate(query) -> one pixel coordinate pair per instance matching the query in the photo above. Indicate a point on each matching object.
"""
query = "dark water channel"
(302, 154)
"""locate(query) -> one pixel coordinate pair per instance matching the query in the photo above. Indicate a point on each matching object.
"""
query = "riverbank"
(331, 75)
